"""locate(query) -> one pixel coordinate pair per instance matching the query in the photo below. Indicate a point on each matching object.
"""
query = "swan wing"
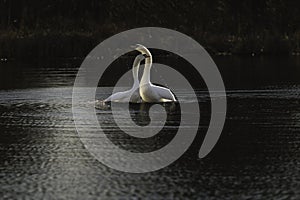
(119, 97)
(165, 94)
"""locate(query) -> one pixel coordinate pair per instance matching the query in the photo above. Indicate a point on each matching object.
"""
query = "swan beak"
(134, 46)
(137, 46)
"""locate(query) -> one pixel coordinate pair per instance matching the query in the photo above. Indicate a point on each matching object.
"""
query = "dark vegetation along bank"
(59, 28)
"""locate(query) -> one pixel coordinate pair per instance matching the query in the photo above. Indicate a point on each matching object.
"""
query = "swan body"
(153, 93)
(149, 92)
(131, 95)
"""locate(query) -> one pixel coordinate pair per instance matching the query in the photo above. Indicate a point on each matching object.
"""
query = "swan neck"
(146, 74)
(135, 73)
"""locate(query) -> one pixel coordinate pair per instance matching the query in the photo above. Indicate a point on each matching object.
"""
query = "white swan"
(131, 95)
(149, 92)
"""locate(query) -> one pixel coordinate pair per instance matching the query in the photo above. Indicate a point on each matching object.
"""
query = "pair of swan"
(144, 90)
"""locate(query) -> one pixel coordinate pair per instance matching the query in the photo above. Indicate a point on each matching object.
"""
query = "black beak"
(146, 56)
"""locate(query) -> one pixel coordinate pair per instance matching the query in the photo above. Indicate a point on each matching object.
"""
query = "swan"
(131, 95)
(152, 93)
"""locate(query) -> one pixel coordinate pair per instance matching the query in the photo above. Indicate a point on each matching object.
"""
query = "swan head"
(142, 49)
(139, 58)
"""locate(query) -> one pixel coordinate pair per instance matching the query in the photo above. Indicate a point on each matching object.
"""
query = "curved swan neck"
(135, 73)
(146, 75)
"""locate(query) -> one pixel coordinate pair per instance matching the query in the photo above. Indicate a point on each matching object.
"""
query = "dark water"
(257, 156)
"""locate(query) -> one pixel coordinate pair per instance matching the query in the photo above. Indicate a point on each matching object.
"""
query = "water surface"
(257, 156)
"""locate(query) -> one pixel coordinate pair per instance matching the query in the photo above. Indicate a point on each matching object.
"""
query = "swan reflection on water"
(139, 112)
(165, 117)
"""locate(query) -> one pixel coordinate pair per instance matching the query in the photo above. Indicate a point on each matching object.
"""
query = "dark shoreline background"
(60, 29)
